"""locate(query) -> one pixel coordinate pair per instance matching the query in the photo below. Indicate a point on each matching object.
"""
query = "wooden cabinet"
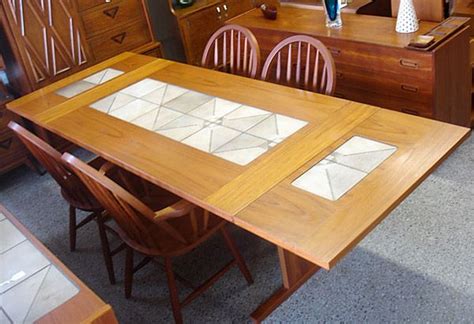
(53, 39)
(116, 26)
(48, 39)
(374, 66)
(198, 22)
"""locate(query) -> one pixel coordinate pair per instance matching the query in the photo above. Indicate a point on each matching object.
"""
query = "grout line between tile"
(14, 246)
(31, 275)
(37, 292)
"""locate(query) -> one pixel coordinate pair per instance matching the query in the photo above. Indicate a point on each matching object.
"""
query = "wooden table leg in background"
(295, 271)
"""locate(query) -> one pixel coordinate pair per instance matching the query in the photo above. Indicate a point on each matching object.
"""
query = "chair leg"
(175, 304)
(128, 272)
(106, 248)
(72, 228)
(238, 258)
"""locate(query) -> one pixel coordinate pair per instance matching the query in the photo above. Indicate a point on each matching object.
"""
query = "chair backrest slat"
(232, 52)
(235, 50)
(322, 74)
(298, 64)
(308, 57)
(288, 65)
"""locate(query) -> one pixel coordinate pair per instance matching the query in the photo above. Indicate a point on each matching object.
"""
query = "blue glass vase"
(332, 8)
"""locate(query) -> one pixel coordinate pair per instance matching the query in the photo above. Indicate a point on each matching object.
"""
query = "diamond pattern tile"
(226, 129)
(30, 286)
(349, 164)
(88, 83)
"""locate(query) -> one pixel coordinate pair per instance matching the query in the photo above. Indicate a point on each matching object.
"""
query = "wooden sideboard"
(373, 66)
(352, 6)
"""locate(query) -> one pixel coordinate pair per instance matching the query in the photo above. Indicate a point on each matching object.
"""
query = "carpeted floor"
(417, 266)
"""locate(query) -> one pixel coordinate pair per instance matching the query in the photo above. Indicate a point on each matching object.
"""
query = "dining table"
(310, 173)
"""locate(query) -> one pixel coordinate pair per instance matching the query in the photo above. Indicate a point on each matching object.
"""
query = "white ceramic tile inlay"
(339, 172)
(226, 129)
(87, 83)
(30, 286)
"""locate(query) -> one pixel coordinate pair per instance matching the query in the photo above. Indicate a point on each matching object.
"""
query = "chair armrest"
(179, 209)
(106, 167)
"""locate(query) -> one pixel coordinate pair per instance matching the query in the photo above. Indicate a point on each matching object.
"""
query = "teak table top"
(258, 196)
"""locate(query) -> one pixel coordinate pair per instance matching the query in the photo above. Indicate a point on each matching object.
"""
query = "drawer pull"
(339, 75)
(112, 12)
(6, 143)
(119, 38)
(409, 64)
(410, 111)
(409, 88)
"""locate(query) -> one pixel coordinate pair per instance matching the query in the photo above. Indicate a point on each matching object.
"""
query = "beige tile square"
(9, 235)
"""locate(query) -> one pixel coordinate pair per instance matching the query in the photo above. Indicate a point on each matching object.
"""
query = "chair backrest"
(135, 219)
(232, 49)
(50, 159)
(432, 10)
(302, 62)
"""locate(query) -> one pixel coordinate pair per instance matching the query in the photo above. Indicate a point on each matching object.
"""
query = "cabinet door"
(48, 38)
(197, 29)
(234, 8)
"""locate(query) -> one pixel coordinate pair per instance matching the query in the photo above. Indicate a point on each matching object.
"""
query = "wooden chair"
(232, 49)
(170, 231)
(302, 62)
(72, 189)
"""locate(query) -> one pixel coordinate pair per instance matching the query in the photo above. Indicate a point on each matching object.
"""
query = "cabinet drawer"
(87, 4)
(110, 15)
(405, 62)
(118, 40)
(385, 84)
(384, 101)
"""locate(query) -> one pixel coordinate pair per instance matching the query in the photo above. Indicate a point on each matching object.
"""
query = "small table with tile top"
(310, 173)
(36, 287)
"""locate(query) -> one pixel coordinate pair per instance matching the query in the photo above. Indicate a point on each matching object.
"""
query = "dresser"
(374, 66)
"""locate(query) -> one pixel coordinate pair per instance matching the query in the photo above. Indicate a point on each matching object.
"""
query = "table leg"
(295, 271)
